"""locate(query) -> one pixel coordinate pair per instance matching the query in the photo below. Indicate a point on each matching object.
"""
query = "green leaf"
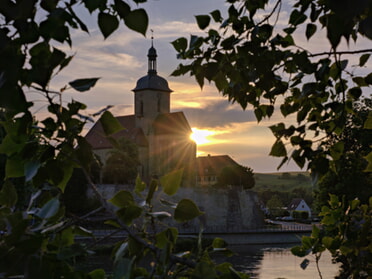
(122, 199)
(355, 92)
(140, 185)
(122, 8)
(299, 251)
(216, 15)
(129, 213)
(369, 160)
(152, 189)
(68, 170)
(83, 84)
(310, 30)
(9, 146)
(8, 194)
(363, 59)
(171, 182)
(354, 204)
(360, 81)
(327, 242)
(14, 167)
(368, 78)
(49, 209)
(180, 44)
(186, 210)
(346, 250)
(31, 169)
(307, 242)
(337, 150)
(97, 274)
(137, 20)
(278, 149)
(92, 5)
(107, 24)
(167, 236)
(368, 122)
(110, 124)
(297, 17)
(219, 243)
(203, 21)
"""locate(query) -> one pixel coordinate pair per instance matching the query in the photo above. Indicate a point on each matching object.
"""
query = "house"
(298, 204)
(162, 136)
(209, 168)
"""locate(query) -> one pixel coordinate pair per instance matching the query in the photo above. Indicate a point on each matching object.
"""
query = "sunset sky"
(122, 59)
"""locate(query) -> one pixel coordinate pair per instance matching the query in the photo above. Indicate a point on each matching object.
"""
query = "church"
(162, 137)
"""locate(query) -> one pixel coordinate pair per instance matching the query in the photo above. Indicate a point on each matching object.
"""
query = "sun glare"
(201, 136)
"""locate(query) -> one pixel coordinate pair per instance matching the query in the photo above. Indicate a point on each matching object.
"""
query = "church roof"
(166, 123)
(171, 123)
(96, 136)
(213, 165)
(152, 81)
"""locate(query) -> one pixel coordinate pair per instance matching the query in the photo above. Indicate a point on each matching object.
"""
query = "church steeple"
(152, 58)
(151, 95)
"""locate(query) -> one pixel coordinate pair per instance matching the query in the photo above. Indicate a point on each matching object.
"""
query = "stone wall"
(226, 210)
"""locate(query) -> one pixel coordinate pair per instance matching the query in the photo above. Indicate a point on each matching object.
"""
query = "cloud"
(217, 114)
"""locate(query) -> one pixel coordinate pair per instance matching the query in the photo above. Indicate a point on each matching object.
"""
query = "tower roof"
(152, 80)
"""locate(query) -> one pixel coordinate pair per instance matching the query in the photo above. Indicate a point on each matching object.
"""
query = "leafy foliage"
(256, 63)
(346, 234)
(39, 237)
(236, 175)
(348, 178)
(121, 166)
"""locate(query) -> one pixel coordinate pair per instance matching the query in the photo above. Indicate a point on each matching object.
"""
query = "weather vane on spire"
(152, 37)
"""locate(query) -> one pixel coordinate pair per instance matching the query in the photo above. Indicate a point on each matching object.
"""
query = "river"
(260, 262)
(277, 261)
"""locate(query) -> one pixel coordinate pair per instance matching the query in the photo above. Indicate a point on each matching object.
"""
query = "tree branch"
(340, 52)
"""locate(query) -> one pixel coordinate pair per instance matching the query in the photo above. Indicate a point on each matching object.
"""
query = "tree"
(275, 206)
(346, 234)
(122, 165)
(348, 179)
(39, 241)
(236, 175)
(255, 62)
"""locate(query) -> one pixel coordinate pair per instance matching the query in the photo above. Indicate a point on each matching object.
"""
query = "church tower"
(151, 95)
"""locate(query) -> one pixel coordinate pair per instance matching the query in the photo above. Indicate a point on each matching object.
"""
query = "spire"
(152, 56)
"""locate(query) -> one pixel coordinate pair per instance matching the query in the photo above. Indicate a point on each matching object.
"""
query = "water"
(274, 262)
(258, 261)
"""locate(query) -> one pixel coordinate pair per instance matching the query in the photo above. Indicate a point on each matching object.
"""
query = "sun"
(201, 136)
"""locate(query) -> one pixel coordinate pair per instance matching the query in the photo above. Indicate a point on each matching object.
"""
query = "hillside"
(283, 182)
